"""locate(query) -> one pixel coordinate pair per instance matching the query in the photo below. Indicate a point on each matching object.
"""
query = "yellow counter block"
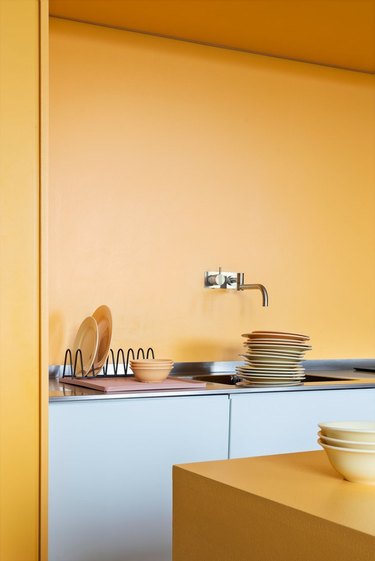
(290, 507)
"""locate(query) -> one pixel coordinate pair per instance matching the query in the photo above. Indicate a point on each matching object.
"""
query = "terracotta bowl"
(151, 370)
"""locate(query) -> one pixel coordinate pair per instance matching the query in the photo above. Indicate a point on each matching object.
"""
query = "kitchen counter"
(287, 507)
(128, 436)
(347, 378)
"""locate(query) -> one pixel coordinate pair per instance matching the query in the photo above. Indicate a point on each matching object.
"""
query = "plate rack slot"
(73, 363)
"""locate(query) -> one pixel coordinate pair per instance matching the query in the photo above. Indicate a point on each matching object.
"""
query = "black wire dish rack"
(118, 363)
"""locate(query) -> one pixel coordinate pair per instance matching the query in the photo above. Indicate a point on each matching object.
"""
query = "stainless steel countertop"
(353, 380)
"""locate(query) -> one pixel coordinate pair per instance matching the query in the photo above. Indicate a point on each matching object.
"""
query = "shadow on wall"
(204, 350)
(57, 336)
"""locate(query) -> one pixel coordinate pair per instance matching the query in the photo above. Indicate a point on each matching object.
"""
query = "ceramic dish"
(273, 365)
(276, 354)
(253, 374)
(280, 347)
(346, 443)
(359, 431)
(86, 340)
(267, 384)
(281, 334)
(267, 359)
(151, 361)
(354, 465)
(145, 374)
(274, 336)
(277, 343)
(253, 368)
(154, 365)
(103, 318)
(281, 379)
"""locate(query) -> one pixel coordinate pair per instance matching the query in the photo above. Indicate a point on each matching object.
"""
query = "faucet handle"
(219, 279)
(216, 279)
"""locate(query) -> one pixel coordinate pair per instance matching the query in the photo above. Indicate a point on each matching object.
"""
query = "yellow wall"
(20, 350)
(169, 159)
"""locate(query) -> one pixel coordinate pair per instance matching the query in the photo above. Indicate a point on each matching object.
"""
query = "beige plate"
(269, 359)
(275, 353)
(279, 347)
(268, 368)
(273, 375)
(103, 318)
(278, 342)
(87, 339)
(258, 378)
(277, 335)
(265, 384)
(273, 363)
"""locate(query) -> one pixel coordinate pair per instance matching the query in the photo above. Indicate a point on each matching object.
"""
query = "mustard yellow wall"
(21, 353)
(169, 159)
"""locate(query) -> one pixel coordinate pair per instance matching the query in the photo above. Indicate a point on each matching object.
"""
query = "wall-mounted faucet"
(225, 279)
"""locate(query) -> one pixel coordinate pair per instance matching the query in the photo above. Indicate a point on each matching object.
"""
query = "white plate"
(86, 340)
(103, 318)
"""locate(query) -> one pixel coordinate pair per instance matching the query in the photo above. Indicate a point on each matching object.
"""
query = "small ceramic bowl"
(154, 363)
(151, 370)
(355, 445)
(151, 374)
(360, 431)
(357, 466)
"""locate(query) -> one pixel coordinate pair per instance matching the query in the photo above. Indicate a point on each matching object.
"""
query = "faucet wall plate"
(235, 281)
(221, 279)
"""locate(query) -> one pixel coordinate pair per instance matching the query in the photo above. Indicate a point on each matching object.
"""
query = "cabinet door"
(110, 472)
(282, 422)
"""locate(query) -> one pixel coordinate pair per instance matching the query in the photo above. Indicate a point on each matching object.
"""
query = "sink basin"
(232, 379)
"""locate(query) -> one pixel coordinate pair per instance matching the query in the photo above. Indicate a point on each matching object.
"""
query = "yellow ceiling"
(337, 33)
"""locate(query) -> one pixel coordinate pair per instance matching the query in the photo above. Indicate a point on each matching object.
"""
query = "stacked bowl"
(273, 358)
(350, 447)
(151, 370)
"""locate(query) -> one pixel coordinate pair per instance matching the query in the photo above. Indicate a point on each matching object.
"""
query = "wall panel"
(169, 159)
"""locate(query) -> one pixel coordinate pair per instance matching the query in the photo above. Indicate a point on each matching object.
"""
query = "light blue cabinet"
(110, 472)
(283, 422)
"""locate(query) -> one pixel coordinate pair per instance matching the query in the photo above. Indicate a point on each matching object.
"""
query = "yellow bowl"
(359, 431)
(357, 466)
(355, 445)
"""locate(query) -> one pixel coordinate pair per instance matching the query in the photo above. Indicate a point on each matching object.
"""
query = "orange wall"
(169, 159)
(20, 350)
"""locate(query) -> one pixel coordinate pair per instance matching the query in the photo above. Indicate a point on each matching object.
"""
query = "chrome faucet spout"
(256, 287)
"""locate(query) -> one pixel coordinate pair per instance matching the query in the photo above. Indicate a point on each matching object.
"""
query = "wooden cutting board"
(122, 384)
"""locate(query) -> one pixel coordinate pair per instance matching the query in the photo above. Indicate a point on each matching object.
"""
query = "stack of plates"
(273, 358)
